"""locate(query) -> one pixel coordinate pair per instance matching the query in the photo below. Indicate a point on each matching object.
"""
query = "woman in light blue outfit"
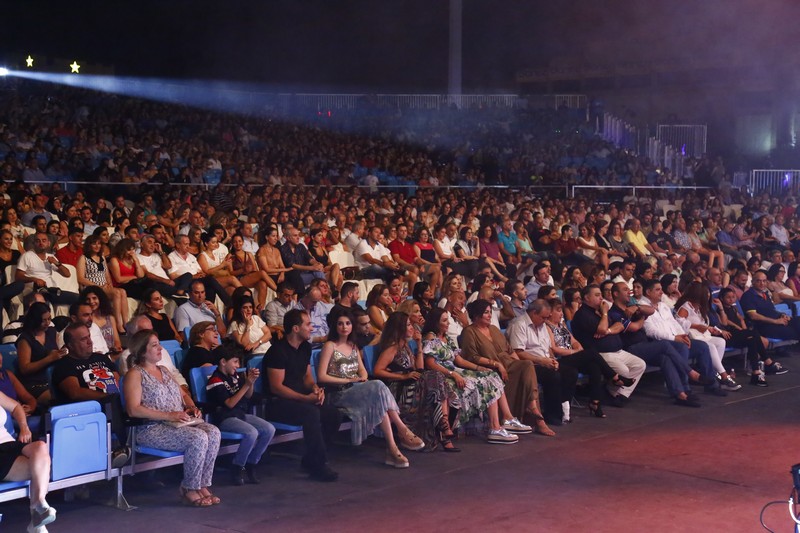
(369, 404)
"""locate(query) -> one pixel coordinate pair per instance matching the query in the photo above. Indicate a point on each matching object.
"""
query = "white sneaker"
(515, 426)
(501, 436)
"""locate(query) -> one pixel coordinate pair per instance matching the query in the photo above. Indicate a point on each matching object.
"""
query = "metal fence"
(688, 139)
(635, 188)
(617, 131)
(775, 182)
(665, 156)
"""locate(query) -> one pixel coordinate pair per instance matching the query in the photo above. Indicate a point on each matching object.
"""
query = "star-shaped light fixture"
(29, 61)
(76, 68)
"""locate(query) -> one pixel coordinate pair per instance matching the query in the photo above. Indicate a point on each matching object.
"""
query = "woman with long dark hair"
(369, 404)
(424, 400)
(37, 350)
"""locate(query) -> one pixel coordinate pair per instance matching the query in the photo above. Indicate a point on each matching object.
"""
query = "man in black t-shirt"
(294, 398)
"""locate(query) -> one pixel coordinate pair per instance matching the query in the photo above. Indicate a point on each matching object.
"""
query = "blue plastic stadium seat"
(171, 347)
(370, 356)
(255, 362)
(9, 353)
(79, 441)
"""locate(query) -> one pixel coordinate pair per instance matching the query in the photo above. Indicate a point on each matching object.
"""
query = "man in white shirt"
(662, 325)
(155, 264)
(375, 260)
(277, 308)
(779, 232)
(354, 237)
(250, 244)
(626, 273)
(37, 266)
(183, 262)
(531, 339)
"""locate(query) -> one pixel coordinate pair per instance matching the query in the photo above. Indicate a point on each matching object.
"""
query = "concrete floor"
(651, 466)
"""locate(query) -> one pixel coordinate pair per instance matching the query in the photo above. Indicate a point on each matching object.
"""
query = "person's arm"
(72, 389)
(133, 402)
(27, 367)
(178, 334)
(754, 315)
(376, 317)
(245, 391)
(25, 398)
(382, 371)
(506, 311)
(18, 414)
(276, 386)
(113, 267)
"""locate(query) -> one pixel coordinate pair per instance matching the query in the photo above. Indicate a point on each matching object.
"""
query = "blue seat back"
(9, 425)
(255, 362)
(370, 354)
(171, 347)
(79, 442)
(198, 377)
(177, 357)
(9, 352)
(314, 362)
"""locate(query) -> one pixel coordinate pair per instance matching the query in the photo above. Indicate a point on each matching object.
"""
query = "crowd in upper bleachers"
(415, 308)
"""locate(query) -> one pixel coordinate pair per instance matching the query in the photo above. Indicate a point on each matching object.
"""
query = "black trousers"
(558, 386)
(319, 424)
(593, 365)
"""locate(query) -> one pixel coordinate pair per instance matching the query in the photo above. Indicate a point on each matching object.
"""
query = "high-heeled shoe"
(622, 381)
(596, 410)
(448, 446)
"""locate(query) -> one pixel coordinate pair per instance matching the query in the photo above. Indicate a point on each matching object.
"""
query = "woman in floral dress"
(478, 389)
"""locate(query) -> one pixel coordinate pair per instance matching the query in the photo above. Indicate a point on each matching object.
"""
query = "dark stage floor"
(651, 466)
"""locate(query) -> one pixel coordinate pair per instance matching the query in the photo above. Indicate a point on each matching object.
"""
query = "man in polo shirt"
(541, 278)
(531, 339)
(591, 327)
(198, 309)
(661, 353)
(626, 273)
(155, 262)
(37, 266)
(374, 259)
(294, 397)
(317, 311)
(758, 307)
(70, 253)
(296, 256)
(182, 262)
(276, 309)
(515, 290)
(507, 241)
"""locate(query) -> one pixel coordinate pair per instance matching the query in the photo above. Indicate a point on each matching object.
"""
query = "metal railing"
(689, 139)
(665, 156)
(634, 188)
(775, 182)
(617, 131)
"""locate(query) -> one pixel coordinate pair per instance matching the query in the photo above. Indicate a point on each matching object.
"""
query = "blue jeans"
(257, 435)
(674, 365)
(700, 352)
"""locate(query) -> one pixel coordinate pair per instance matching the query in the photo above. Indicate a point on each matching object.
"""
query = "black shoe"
(715, 390)
(759, 380)
(324, 473)
(120, 457)
(250, 474)
(617, 401)
(237, 475)
(626, 382)
(689, 401)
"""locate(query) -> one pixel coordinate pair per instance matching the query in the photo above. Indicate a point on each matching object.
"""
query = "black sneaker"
(689, 401)
(250, 474)
(775, 368)
(237, 475)
(120, 457)
(324, 473)
(759, 380)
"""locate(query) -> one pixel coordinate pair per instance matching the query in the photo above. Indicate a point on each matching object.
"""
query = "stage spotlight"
(3, 71)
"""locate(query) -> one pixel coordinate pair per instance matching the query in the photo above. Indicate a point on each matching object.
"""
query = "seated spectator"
(541, 278)
(369, 404)
(591, 327)
(319, 252)
(198, 309)
(248, 330)
(588, 246)
(203, 343)
(781, 292)
(139, 323)
(70, 253)
(567, 247)
(183, 262)
(459, 318)
(423, 294)
(155, 262)
(283, 302)
(492, 255)
(669, 288)
(37, 350)
(25, 459)
(229, 393)
(379, 306)
(364, 334)
(82, 313)
(102, 317)
(405, 255)
(39, 225)
(661, 324)
(445, 254)
(8, 256)
(397, 291)
(478, 389)
(658, 352)
(485, 345)
(83, 375)
(294, 396)
(11, 386)
(215, 262)
(152, 305)
(173, 420)
(766, 320)
(126, 271)
(570, 352)
(37, 266)
(92, 271)
(304, 268)
(424, 399)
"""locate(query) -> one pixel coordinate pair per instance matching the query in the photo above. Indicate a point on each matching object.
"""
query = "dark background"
(389, 45)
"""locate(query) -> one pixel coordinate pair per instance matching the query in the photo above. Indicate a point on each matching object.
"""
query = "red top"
(404, 250)
(124, 270)
(67, 256)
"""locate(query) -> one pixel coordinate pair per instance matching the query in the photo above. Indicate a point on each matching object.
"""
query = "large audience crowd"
(416, 309)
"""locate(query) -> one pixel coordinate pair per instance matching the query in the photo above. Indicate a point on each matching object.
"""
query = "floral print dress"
(482, 388)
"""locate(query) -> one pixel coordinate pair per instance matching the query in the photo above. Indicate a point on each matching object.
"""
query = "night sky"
(391, 46)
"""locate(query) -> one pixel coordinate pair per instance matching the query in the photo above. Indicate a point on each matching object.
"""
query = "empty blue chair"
(370, 356)
(9, 353)
(79, 439)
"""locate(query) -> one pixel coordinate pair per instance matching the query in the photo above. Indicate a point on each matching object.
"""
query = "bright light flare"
(4, 71)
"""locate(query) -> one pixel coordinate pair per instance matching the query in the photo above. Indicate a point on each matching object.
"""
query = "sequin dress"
(364, 403)
(481, 389)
